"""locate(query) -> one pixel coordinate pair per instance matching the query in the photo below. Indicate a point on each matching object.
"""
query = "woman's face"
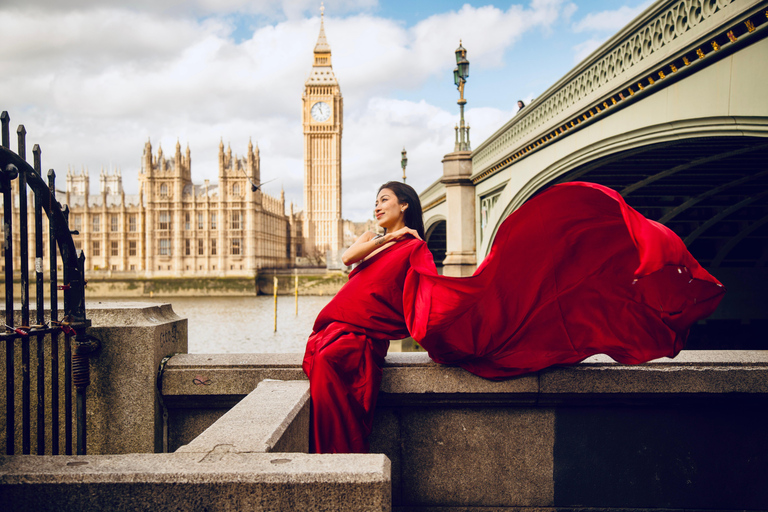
(387, 210)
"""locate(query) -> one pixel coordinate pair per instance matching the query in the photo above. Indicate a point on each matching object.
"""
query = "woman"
(572, 273)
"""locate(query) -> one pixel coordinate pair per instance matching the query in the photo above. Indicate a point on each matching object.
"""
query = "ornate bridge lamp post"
(403, 161)
(460, 259)
(460, 75)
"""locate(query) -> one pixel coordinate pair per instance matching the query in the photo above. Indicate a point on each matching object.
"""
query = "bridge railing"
(670, 39)
(45, 333)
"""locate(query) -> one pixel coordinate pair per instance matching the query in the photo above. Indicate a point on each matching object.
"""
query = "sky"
(94, 80)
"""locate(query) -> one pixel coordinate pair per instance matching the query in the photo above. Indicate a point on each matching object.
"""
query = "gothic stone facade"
(174, 227)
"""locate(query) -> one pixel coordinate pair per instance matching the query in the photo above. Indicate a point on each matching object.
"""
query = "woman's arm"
(369, 243)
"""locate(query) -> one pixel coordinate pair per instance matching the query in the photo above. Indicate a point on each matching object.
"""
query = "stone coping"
(690, 373)
(118, 314)
(192, 467)
(274, 417)
(421, 359)
(191, 481)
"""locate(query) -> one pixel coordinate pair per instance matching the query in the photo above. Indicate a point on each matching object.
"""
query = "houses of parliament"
(175, 227)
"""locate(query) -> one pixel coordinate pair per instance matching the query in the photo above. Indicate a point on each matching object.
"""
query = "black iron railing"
(46, 332)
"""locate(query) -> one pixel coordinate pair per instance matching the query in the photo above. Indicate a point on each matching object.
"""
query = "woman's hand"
(369, 242)
(401, 233)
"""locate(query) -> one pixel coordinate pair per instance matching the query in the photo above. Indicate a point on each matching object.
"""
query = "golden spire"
(322, 45)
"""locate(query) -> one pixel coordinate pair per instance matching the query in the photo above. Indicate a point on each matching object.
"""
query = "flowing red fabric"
(572, 273)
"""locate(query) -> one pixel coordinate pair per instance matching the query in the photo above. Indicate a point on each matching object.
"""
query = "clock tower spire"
(322, 115)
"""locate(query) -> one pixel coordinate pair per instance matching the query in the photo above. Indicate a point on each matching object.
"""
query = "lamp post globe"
(403, 161)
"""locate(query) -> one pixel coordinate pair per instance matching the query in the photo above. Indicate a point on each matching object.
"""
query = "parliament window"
(237, 220)
(132, 224)
(236, 246)
(213, 247)
(96, 223)
(96, 249)
(77, 222)
(200, 247)
(236, 189)
(213, 221)
(165, 220)
(114, 249)
(187, 247)
(113, 222)
(187, 222)
(165, 247)
(132, 248)
(163, 190)
(199, 221)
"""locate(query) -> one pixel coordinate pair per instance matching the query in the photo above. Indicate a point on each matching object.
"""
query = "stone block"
(692, 374)
(438, 383)
(272, 418)
(193, 482)
(385, 439)
(123, 394)
(187, 423)
(195, 375)
(706, 456)
(476, 457)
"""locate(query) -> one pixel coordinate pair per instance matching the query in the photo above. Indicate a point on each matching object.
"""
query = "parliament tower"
(322, 117)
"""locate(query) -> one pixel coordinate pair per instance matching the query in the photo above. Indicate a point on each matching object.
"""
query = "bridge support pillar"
(460, 259)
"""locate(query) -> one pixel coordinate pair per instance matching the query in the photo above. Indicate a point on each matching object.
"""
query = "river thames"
(242, 324)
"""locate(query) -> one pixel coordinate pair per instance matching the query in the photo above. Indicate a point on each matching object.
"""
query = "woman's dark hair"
(406, 194)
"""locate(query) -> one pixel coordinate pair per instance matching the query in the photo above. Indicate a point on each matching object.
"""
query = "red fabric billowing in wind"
(572, 273)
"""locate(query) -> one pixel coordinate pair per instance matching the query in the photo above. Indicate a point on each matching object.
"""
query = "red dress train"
(572, 273)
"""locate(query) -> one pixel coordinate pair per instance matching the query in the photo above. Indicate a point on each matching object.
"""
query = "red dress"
(572, 273)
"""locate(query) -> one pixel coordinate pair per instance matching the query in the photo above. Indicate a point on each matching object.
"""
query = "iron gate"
(45, 334)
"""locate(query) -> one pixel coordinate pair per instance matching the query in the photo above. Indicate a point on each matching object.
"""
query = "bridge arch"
(667, 158)
(436, 238)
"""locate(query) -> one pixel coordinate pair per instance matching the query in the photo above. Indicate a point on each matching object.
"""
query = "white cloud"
(609, 21)
(582, 50)
(275, 9)
(94, 83)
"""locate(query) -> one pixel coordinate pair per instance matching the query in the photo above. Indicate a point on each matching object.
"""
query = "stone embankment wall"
(320, 283)
(599, 436)
(682, 434)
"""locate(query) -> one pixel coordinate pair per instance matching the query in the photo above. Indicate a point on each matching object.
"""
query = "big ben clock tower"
(323, 122)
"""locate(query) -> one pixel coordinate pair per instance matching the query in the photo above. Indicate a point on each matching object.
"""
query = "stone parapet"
(198, 389)
(192, 482)
(274, 417)
(190, 378)
(681, 433)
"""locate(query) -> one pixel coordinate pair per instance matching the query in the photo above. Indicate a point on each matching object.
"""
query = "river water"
(243, 324)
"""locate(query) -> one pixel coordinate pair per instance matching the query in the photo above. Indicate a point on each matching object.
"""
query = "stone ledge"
(187, 482)
(272, 418)
(415, 376)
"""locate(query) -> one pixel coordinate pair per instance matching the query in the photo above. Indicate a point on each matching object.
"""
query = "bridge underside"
(712, 192)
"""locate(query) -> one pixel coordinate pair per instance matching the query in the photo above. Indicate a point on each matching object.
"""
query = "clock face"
(320, 111)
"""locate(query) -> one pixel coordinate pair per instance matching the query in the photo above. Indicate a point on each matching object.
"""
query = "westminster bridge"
(671, 112)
